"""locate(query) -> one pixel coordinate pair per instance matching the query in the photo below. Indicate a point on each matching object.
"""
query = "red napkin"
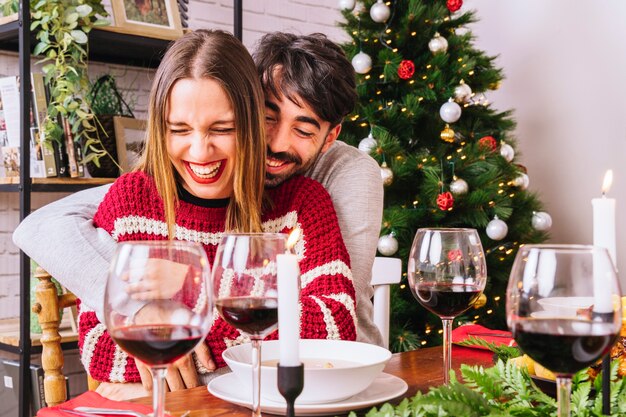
(498, 337)
(91, 399)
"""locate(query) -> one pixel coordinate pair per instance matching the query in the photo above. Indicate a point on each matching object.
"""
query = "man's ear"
(332, 135)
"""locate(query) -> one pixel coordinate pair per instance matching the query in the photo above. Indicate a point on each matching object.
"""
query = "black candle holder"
(290, 384)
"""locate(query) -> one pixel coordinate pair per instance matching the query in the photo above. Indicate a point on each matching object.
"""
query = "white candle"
(288, 308)
(604, 236)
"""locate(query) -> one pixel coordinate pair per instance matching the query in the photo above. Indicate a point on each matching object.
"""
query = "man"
(310, 88)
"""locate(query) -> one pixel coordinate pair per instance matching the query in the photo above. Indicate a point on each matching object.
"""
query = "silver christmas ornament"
(362, 63)
(541, 221)
(497, 229)
(380, 12)
(507, 151)
(368, 144)
(386, 173)
(450, 111)
(438, 44)
(462, 92)
(347, 4)
(387, 245)
(459, 186)
(522, 181)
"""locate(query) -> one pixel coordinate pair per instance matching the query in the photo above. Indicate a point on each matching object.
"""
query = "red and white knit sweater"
(133, 210)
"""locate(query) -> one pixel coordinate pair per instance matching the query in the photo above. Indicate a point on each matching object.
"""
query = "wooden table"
(421, 369)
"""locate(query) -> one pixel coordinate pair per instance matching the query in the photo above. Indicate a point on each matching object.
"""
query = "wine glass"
(158, 304)
(447, 274)
(563, 307)
(245, 290)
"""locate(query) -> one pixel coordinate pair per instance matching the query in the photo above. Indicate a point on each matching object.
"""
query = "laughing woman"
(202, 173)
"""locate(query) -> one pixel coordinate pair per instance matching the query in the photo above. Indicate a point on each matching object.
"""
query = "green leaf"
(40, 48)
(79, 36)
(71, 18)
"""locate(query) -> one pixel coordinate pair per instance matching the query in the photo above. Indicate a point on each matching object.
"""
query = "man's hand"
(156, 279)
(182, 373)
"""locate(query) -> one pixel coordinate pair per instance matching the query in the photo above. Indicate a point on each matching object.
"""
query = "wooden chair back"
(47, 306)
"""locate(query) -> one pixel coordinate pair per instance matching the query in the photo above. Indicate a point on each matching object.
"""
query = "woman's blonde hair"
(221, 57)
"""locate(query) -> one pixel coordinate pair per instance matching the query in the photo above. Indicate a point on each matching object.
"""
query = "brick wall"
(259, 17)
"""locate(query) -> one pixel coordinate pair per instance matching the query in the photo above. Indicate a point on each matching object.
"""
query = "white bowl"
(565, 306)
(356, 365)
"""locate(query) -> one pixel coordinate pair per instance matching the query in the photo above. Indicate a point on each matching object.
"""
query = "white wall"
(565, 67)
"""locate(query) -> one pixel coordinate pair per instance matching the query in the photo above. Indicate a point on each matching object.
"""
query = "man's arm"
(355, 186)
(62, 239)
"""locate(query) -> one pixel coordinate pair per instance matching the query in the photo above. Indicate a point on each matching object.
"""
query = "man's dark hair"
(312, 67)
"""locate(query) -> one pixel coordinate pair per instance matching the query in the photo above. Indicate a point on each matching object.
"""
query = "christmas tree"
(448, 159)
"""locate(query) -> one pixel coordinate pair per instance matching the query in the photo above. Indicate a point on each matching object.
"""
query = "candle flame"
(608, 180)
(293, 238)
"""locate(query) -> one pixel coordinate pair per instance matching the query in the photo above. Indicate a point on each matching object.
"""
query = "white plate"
(385, 387)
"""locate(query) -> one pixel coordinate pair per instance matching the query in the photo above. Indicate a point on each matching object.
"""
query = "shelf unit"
(104, 46)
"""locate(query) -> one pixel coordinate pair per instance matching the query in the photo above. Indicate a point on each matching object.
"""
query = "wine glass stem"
(564, 388)
(158, 391)
(447, 349)
(256, 378)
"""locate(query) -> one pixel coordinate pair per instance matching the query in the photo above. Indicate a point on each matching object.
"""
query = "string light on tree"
(507, 151)
(362, 63)
(387, 244)
(497, 229)
(386, 173)
(347, 4)
(380, 12)
(462, 92)
(438, 44)
(450, 111)
(368, 144)
(541, 221)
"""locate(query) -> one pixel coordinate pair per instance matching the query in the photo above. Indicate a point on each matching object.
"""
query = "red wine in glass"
(157, 344)
(447, 299)
(253, 315)
(564, 346)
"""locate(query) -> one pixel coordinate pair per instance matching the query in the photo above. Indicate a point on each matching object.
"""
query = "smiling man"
(310, 88)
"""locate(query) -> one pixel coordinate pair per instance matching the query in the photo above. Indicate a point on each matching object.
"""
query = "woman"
(201, 174)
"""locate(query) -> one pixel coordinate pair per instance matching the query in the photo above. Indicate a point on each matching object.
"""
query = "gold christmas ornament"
(481, 301)
(447, 134)
(386, 173)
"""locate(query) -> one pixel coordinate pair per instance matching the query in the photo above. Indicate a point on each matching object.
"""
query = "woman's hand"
(156, 279)
(181, 374)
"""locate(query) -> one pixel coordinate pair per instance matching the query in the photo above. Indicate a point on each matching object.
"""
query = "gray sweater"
(61, 237)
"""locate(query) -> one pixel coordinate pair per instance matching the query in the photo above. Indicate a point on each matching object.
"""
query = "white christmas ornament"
(362, 63)
(387, 245)
(368, 144)
(541, 221)
(359, 8)
(438, 44)
(522, 181)
(380, 12)
(507, 151)
(450, 111)
(497, 229)
(459, 186)
(386, 173)
(462, 92)
(347, 4)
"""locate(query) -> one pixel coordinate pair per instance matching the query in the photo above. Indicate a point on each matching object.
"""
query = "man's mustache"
(284, 157)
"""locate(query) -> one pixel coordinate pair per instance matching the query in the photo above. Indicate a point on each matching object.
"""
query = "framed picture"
(151, 18)
(129, 139)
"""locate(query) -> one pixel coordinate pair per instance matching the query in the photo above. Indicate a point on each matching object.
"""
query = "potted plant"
(62, 28)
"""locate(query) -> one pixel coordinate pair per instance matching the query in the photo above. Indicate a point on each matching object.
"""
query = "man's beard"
(299, 168)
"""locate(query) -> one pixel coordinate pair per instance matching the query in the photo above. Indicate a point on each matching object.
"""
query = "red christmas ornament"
(445, 201)
(406, 69)
(455, 255)
(454, 5)
(488, 142)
